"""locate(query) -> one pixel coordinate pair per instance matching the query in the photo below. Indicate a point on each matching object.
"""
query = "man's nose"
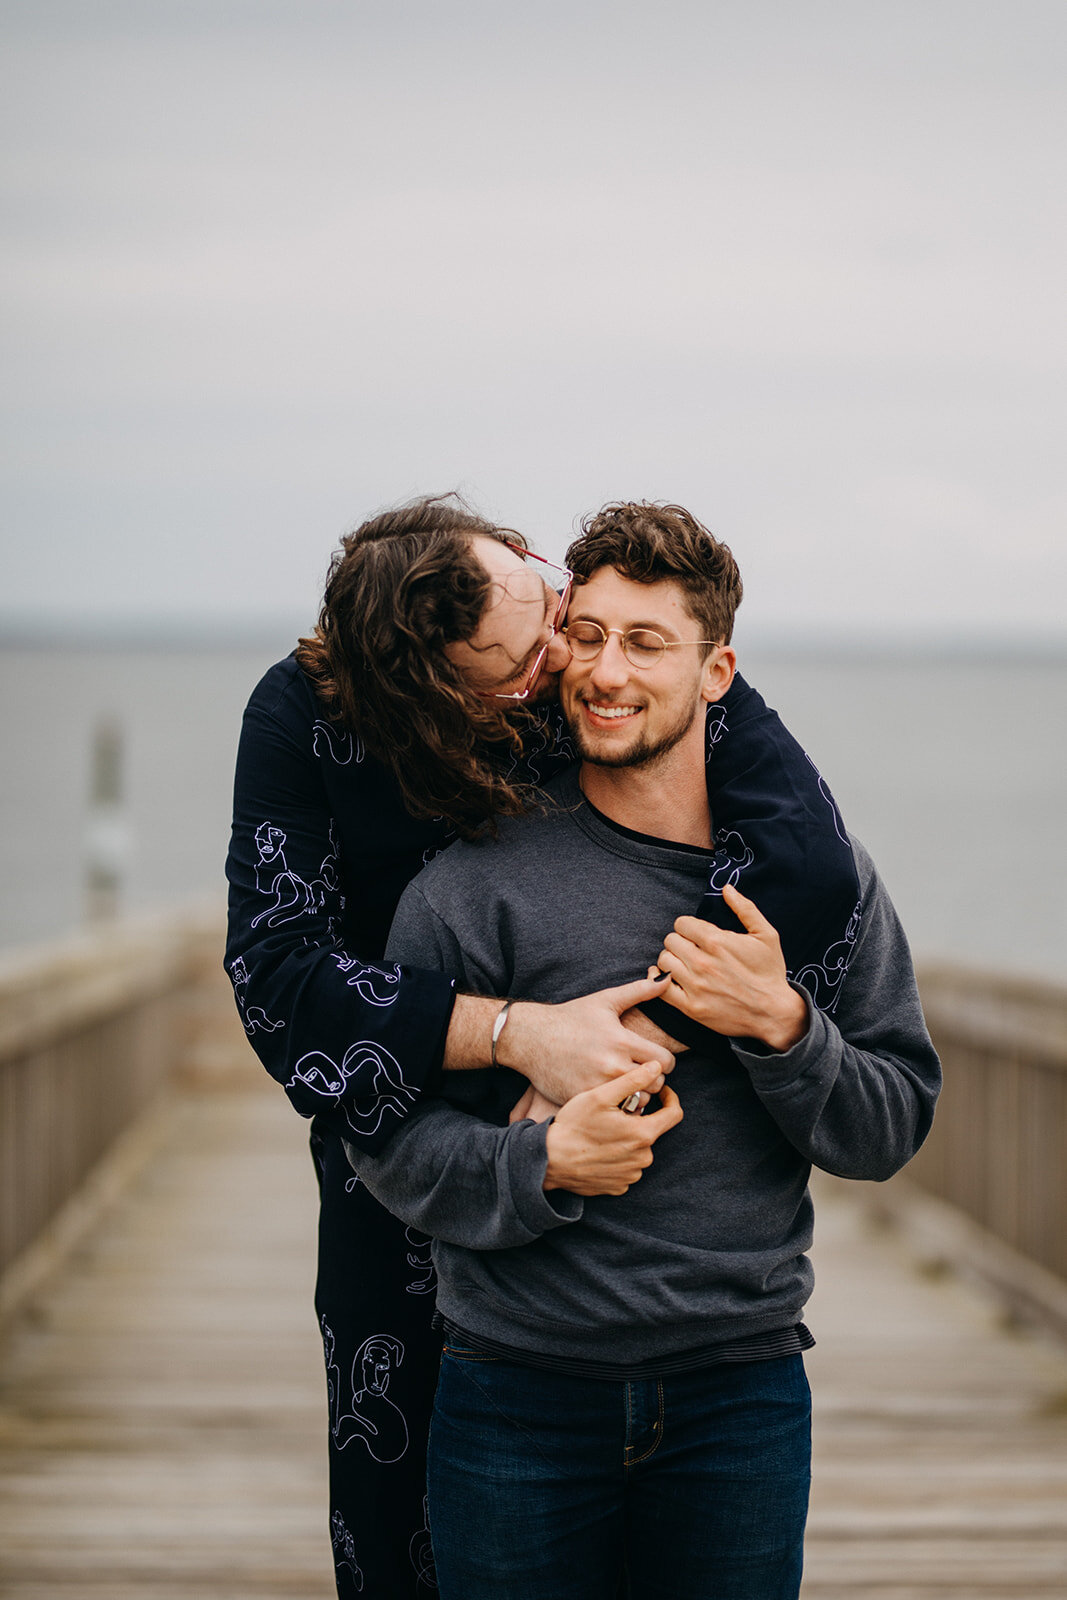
(611, 668)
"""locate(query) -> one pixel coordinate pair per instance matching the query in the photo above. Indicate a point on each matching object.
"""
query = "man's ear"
(719, 669)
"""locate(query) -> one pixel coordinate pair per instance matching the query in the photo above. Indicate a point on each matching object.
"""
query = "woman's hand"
(569, 1048)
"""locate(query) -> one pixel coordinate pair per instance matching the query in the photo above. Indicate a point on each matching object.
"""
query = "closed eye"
(526, 662)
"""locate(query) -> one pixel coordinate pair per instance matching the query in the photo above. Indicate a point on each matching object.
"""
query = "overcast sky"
(800, 264)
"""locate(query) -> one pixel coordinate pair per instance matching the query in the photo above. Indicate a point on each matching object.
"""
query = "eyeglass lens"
(534, 562)
(640, 646)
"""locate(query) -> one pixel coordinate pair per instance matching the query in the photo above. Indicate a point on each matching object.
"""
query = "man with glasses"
(622, 1396)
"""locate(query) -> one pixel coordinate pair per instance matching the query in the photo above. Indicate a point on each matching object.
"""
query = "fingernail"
(661, 977)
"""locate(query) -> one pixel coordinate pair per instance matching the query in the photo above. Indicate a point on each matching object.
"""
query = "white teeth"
(612, 711)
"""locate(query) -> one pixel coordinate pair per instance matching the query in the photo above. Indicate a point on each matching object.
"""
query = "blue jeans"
(549, 1487)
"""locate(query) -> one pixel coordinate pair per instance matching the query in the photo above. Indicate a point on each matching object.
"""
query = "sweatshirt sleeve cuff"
(527, 1156)
(771, 1068)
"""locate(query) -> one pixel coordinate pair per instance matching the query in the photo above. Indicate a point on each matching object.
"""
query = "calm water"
(953, 772)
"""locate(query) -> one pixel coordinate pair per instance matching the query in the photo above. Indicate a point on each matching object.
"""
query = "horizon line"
(767, 638)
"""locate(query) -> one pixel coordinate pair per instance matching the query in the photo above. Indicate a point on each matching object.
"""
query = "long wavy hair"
(403, 586)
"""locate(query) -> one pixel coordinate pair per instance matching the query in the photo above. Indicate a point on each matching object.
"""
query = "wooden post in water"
(106, 833)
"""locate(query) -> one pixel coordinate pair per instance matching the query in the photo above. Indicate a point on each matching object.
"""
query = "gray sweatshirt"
(710, 1244)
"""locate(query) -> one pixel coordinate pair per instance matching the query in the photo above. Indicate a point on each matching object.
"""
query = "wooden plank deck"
(940, 1430)
(161, 1410)
(161, 1416)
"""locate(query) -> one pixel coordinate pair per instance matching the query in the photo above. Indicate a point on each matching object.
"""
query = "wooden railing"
(91, 1031)
(998, 1149)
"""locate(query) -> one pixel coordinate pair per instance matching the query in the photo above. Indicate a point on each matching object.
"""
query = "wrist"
(511, 1047)
(499, 1025)
(552, 1179)
(469, 1043)
(788, 1025)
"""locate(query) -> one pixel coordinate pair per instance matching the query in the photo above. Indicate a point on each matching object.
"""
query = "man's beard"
(644, 752)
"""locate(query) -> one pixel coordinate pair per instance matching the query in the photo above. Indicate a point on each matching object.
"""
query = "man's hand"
(734, 983)
(534, 1106)
(595, 1148)
(568, 1048)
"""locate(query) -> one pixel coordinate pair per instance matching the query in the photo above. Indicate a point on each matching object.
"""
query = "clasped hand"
(596, 1148)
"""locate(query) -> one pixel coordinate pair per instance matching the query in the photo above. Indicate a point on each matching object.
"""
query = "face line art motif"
(732, 855)
(420, 1552)
(377, 985)
(365, 1412)
(385, 1093)
(823, 979)
(255, 1019)
(293, 897)
(344, 1551)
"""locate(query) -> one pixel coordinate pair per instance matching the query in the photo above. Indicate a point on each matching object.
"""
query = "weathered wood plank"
(940, 1433)
(161, 1414)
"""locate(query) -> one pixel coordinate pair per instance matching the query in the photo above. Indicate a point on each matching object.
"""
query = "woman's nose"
(558, 653)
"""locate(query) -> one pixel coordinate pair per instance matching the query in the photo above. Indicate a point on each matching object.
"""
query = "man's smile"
(609, 712)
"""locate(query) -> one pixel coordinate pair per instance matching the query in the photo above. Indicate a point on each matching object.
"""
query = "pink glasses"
(557, 622)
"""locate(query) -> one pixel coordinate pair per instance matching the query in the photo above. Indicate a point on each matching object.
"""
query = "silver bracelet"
(498, 1028)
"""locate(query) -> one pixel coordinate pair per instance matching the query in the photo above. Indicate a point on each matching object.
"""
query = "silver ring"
(632, 1102)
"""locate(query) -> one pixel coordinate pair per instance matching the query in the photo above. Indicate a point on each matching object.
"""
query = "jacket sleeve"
(856, 1094)
(356, 1041)
(469, 1181)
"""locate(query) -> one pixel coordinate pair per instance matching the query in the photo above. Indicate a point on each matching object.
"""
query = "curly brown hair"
(404, 585)
(646, 541)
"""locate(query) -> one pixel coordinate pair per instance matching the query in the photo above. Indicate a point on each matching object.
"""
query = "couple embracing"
(591, 1049)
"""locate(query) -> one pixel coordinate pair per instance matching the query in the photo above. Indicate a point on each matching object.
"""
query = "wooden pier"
(162, 1400)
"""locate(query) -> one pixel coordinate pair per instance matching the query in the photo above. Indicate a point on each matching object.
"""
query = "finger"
(521, 1109)
(647, 1050)
(696, 934)
(668, 1116)
(745, 910)
(676, 992)
(619, 1088)
(672, 961)
(632, 994)
(677, 996)
(638, 1099)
